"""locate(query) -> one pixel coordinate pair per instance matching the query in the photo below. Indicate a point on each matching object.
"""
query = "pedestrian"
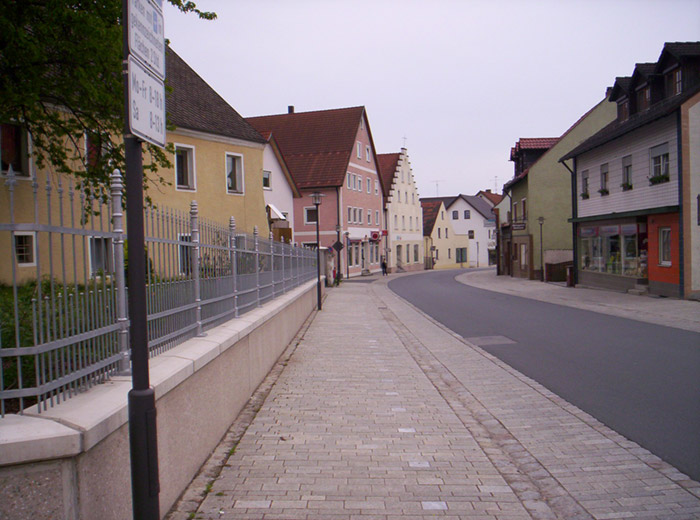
(383, 266)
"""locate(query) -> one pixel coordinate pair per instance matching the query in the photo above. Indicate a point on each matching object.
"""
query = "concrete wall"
(72, 461)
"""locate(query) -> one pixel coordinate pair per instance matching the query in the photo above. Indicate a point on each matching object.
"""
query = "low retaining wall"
(72, 461)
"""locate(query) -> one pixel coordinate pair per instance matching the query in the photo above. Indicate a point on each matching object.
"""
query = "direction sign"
(146, 104)
(146, 35)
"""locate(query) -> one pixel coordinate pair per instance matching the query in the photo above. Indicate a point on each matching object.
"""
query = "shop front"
(613, 253)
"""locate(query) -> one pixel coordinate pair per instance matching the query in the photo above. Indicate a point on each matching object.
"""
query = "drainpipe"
(338, 229)
(681, 241)
(574, 215)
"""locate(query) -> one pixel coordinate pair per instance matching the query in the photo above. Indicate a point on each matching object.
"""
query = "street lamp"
(316, 199)
(541, 221)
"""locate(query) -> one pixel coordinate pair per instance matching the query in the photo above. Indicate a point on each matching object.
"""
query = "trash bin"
(569, 275)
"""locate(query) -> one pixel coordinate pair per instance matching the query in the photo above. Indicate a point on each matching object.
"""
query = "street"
(639, 379)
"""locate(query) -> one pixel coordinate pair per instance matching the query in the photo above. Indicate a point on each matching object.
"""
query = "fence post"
(234, 263)
(194, 230)
(283, 247)
(117, 187)
(257, 264)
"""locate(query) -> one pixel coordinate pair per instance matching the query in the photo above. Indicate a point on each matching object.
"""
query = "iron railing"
(63, 310)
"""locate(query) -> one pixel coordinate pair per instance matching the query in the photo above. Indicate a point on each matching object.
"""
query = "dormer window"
(677, 81)
(643, 98)
(623, 110)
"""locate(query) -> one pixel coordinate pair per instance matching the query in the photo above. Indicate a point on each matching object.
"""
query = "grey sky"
(461, 80)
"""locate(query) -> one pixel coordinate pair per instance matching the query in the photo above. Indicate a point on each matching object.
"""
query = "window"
(413, 198)
(442, 215)
(467, 214)
(470, 233)
(515, 211)
(358, 186)
(523, 256)
(455, 215)
(603, 179)
(354, 215)
(376, 187)
(25, 248)
(403, 222)
(234, 173)
(101, 255)
(376, 217)
(184, 168)
(447, 233)
(357, 254)
(415, 253)
(367, 153)
(584, 184)
(310, 215)
(437, 253)
(13, 151)
(659, 164)
(461, 255)
(643, 98)
(396, 222)
(439, 233)
(350, 255)
(674, 82)
(349, 180)
(359, 150)
(623, 110)
(398, 194)
(369, 216)
(665, 246)
(523, 203)
(349, 214)
(627, 172)
(449, 253)
(410, 222)
(266, 179)
(369, 185)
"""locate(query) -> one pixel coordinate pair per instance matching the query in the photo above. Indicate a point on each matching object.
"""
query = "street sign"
(338, 246)
(146, 104)
(147, 36)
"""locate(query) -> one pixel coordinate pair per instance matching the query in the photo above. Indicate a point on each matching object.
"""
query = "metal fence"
(63, 310)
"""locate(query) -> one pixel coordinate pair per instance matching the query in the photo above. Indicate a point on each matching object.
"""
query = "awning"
(275, 214)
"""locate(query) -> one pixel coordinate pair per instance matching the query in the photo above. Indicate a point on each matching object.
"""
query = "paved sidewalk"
(682, 314)
(380, 413)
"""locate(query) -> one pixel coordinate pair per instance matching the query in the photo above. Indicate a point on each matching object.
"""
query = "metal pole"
(318, 258)
(145, 485)
(541, 221)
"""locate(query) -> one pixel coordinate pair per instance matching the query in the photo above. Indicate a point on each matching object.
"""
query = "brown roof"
(388, 163)
(193, 104)
(430, 207)
(316, 145)
(536, 143)
(495, 198)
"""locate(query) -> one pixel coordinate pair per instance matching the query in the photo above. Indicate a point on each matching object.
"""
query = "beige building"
(444, 248)
(404, 248)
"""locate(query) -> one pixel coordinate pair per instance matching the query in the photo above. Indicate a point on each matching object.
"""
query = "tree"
(60, 78)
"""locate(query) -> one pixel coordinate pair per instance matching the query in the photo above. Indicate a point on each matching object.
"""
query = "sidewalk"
(682, 314)
(380, 413)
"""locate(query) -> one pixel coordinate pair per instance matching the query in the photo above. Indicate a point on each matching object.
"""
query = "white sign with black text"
(146, 104)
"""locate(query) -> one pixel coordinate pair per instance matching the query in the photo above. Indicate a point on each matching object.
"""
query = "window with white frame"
(369, 185)
(101, 255)
(470, 233)
(455, 215)
(398, 194)
(403, 222)
(359, 150)
(396, 222)
(267, 181)
(25, 248)
(369, 216)
(14, 150)
(584, 183)
(627, 172)
(354, 214)
(603, 179)
(234, 173)
(376, 187)
(310, 215)
(349, 180)
(184, 167)
(376, 217)
(359, 215)
(410, 223)
(367, 153)
(358, 186)
(665, 246)
(350, 214)
(467, 214)
(659, 168)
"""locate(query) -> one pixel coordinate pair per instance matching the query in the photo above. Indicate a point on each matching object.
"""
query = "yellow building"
(444, 249)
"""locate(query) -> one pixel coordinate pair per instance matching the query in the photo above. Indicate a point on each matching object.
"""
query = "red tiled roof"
(536, 143)
(316, 145)
(387, 162)
(430, 207)
(495, 198)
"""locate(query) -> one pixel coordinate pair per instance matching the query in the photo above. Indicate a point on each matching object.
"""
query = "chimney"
(290, 109)
(488, 191)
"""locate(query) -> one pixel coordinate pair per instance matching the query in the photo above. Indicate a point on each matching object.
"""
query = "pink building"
(332, 152)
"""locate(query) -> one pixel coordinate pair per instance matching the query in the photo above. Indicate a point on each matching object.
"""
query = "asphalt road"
(641, 380)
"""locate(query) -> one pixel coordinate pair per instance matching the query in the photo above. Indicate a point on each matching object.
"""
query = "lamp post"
(316, 199)
(541, 221)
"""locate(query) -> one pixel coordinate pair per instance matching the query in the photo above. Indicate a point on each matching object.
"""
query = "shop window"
(665, 246)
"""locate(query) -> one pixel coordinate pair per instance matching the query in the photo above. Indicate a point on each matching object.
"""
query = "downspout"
(338, 270)
(574, 215)
(681, 242)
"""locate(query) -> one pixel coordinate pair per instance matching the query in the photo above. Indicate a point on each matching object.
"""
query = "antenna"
(437, 190)
(404, 140)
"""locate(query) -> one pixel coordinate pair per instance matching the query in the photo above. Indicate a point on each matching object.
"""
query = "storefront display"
(618, 249)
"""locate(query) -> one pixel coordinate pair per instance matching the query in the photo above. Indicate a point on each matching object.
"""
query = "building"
(488, 196)
(474, 223)
(279, 190)
(444, 247)
(541, 202)
(331, 152)
(636, 183)
(403, 213)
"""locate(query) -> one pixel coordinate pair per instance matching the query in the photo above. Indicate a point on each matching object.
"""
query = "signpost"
(144, 104)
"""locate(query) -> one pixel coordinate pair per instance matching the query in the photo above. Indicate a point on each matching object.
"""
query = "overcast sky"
(462, 81)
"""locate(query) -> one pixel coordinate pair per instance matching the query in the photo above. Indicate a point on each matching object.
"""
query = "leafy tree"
(60, 78)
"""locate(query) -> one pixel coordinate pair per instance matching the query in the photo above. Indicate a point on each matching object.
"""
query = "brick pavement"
(380, 413)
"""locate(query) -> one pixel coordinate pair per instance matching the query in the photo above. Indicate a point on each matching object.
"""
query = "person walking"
(383, 266)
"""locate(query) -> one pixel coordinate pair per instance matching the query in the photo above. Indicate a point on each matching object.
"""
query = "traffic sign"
(147, 36)
(146, 104)
(338, 246)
